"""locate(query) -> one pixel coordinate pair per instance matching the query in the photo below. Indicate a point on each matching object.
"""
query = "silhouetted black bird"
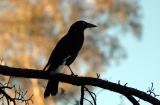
(65, 53)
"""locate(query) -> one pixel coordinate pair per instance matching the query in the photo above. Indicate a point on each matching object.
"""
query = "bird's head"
(81, 26)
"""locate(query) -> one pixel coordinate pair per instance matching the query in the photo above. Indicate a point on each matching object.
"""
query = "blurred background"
(122, 47)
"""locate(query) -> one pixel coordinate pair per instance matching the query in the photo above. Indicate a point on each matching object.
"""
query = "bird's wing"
(60, 53)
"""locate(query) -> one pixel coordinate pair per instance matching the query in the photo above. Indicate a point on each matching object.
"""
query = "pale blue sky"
(143, 63)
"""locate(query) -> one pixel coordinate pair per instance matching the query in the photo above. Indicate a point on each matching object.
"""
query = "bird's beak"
(89, 25)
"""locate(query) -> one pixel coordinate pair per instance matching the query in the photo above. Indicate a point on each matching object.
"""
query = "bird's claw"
(74, 75)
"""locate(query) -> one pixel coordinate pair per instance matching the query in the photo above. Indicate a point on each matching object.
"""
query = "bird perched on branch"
(65, 53)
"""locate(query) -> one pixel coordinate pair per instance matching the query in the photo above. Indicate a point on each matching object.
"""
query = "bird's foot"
(72, 74)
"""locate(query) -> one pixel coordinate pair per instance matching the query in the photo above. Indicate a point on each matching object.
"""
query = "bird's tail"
(52, 87)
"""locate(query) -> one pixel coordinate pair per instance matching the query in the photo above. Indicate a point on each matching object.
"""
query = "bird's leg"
(71, 71)
(69, 66)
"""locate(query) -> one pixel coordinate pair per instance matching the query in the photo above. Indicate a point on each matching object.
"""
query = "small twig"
(91, 94)
(88, 101)
(9, 80)
(6, 87)
(8, 98)
(19, 95)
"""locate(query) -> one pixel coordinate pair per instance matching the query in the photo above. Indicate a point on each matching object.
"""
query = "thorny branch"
(82, 81)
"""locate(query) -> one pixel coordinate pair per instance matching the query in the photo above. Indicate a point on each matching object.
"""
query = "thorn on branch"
(98, 75)
(119, 82)
(125, 84)
(151, 89)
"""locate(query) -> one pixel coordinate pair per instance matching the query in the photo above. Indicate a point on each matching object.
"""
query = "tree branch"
(132, 99)
(82, 95)
(79, 81)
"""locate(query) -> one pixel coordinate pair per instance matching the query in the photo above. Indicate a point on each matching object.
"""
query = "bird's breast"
(76, 44)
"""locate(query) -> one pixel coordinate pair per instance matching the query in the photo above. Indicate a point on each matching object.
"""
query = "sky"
(142, 66)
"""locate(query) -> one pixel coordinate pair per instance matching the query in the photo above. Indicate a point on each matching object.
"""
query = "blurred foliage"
(31, 28)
